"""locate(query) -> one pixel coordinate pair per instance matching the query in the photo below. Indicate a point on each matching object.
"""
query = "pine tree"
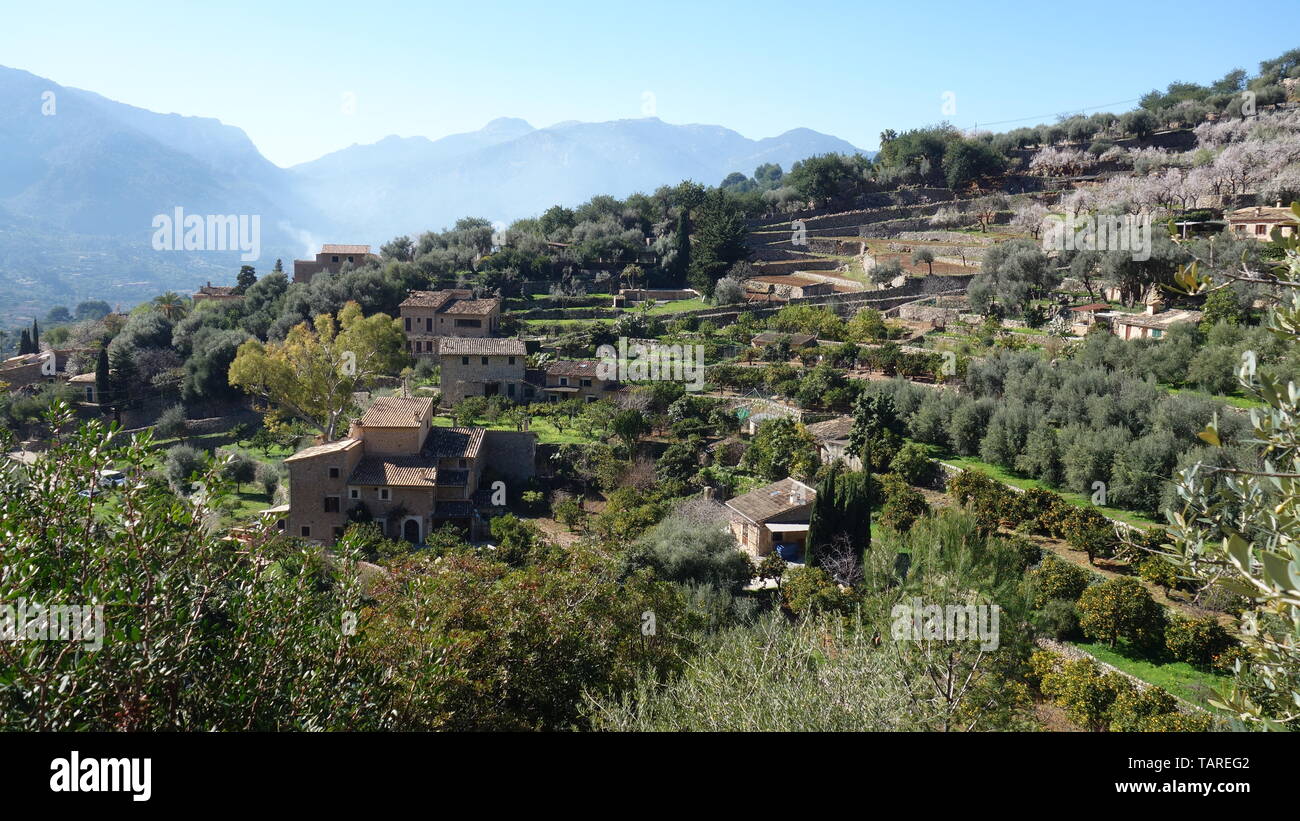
(247, 276)
(279, 267)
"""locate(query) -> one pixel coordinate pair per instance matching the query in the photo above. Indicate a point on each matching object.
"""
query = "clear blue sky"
(280, 70)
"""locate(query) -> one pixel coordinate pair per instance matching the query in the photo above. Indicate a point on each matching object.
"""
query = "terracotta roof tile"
(397, 412)
(480, 346)
(395, 471)
(771, 501)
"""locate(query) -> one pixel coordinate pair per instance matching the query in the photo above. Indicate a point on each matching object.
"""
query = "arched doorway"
(411, 531)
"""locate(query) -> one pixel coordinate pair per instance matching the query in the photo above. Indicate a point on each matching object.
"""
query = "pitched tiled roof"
(345, 249)
(321, 450)
(832, 430)
(480, 346)
(397, 412)
(1261, 213)
(572, 367)
(1159, 321)
(473, 307)
(453, 443)
(395, 471)
(434, 299)
(766, 503)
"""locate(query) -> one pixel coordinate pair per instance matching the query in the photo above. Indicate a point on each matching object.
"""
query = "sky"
(304, 79)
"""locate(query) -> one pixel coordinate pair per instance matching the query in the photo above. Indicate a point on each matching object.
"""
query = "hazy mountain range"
(82, 178)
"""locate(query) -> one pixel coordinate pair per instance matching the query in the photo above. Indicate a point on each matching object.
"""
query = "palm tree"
(170, 305)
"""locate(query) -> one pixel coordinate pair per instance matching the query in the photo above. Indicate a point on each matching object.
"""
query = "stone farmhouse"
(576, 378)
(833, 441)
(216, 293)
(1259, 221)
(331, 259)
(428, 316)
(396, 468)
(773, 517)
(479, 366)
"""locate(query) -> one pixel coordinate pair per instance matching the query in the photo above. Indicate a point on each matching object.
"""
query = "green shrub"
(1197, 641)
(1121, 609)
(1058, 579)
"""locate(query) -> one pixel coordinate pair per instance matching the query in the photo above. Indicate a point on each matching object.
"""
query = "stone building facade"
(471, 366)
(427, 316)
(399, 470)
(331, 259)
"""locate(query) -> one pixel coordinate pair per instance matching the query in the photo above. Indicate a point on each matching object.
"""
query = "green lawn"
(1002, 475)
(1179, 678)
(533, 324)
(547, 434)
(678, 306)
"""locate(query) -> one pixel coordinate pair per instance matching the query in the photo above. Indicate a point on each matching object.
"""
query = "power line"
(1041, 117)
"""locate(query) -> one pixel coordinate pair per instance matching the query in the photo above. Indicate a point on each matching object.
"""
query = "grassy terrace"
(547, 433)
(1179, 678)
(1006, 477)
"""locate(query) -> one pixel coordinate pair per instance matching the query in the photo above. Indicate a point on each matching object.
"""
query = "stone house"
(833, 441)
(1259, 221)
(429, 315)
(331, 259)
(772, 516)
(476, 366)
(396, 468)
(576, 378)
(216, 293)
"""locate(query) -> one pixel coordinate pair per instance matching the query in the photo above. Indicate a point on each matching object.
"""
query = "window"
(464, 360)
(591, 399)
(428, 323)
(384, 494)
(564, 381)
(586, 383)
(484, 358)
(510, 389)
(408, 324)
(350, 259)
(334, 473)
(512, 360)
(354, 493)
(306, 532)
(334, 258)
(469, 323)
(1261, 229)
(331, 504)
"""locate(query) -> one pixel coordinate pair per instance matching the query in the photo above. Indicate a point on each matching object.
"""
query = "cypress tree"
(842, 510)
(36, 338)
(25, 343)
(103, 380)
(682, 263)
